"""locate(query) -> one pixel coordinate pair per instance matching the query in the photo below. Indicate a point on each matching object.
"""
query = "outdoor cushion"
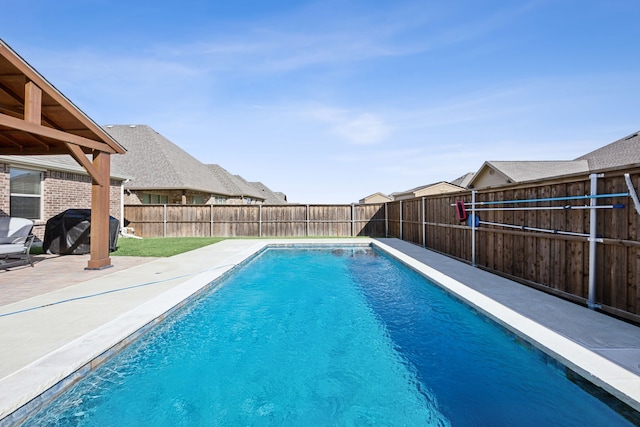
(15, 227)
(15, 241)
(8, 249)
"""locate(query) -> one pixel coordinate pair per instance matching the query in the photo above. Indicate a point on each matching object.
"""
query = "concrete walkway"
(63, 328)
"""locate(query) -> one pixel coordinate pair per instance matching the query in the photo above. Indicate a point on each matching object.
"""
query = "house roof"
(155, 163)
(234, 184)
(422, 187)
(520, 171)
(625, 151)
(464, 180)
(270, 197)
(375, 195)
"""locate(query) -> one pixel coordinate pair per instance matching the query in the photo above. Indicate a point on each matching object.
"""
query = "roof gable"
(375, 198)
(519, 171)
(436, 187)
(464, 180)
(495, 173)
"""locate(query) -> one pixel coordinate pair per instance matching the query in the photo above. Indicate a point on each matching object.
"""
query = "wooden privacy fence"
(526, 245)
(256, 220)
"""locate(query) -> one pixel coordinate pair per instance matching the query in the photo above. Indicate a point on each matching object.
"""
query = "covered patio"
(36, 119)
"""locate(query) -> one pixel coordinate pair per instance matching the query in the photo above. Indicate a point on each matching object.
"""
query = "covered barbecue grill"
(69, 233)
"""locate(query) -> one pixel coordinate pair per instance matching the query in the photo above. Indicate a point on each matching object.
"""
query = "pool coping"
(48, 375)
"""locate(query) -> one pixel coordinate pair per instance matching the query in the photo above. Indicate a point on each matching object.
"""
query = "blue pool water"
(327, 337)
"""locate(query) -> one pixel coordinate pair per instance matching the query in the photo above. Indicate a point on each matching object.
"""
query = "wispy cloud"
(278, 51)
(359, 128)
(288, 44)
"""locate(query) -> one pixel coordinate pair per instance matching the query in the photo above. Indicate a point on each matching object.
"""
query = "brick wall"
(4, 194)
(61, 191)
(65, 190)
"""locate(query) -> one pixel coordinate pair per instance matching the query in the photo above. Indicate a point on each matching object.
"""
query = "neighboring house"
(270, 197)
(496, 174)
(624, 152)
(163, 173)
(40, 187)
(242, 192)
(620, 153)
(375, 198)
(441, 187)
(464, 180)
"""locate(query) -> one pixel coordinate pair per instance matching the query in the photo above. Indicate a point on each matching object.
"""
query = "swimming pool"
(328, 337)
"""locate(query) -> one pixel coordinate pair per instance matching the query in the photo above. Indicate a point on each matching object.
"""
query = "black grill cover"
(68, 233)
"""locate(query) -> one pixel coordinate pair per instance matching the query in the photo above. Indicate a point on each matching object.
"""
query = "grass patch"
(36, 250)
(161, 246)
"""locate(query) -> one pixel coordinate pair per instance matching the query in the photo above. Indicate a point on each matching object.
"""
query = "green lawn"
(161, 246)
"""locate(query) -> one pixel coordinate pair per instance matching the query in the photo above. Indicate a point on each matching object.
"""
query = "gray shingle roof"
(234, 184)
(464, 180)
(520, 171)
(156, 163)
(625, 151)
(270, 197)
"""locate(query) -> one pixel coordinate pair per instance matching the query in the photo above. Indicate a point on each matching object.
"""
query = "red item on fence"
(461, 211)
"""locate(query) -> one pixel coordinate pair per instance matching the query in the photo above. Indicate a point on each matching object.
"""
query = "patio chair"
(15, 241)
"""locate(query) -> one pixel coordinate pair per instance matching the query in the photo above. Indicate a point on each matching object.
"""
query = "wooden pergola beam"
(55, 134)
(80, 157)
(10, 141)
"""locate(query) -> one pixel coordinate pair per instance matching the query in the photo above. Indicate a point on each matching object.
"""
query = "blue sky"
(330, 101)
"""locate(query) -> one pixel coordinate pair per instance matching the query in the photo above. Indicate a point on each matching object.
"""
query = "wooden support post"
(100, 213)
(386, 220)
(32, 103)
(353, 220)
(424, 224)
(401, 220)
